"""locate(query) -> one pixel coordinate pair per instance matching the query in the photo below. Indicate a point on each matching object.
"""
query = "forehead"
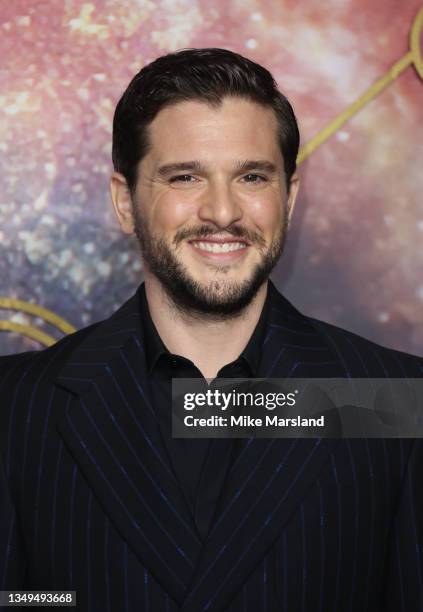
(195, 129)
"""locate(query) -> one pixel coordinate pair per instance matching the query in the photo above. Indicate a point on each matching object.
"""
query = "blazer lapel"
(112, 431)
(269, 477)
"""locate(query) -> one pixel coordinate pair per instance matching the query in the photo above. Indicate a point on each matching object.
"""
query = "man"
(97, 495)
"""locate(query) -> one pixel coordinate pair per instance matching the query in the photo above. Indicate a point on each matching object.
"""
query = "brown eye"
(254, 178)
(182, 178)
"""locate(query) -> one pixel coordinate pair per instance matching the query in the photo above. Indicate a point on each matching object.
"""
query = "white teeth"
(215, 247)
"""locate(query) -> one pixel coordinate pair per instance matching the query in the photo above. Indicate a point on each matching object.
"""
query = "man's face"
(210, 208)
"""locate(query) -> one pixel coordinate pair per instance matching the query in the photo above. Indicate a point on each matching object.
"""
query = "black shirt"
(200, 464)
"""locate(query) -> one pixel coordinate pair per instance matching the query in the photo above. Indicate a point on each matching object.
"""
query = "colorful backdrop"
(353, 72)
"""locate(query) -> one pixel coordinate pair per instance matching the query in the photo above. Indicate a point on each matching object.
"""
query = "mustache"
(204, 231)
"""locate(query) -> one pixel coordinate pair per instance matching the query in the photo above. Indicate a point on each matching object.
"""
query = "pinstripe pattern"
(88, 499)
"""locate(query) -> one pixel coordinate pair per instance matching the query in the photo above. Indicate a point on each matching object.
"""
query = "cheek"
(170, 210)
(266, 213)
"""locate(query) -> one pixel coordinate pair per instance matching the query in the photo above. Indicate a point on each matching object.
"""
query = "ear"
(294, 186)
(122, 202)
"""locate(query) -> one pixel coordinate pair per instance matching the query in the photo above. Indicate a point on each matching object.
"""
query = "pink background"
(354, 255)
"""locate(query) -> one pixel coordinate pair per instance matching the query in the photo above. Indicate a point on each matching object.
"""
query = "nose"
(219, 205)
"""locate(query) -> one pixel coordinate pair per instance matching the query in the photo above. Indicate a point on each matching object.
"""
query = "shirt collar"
(154, 346)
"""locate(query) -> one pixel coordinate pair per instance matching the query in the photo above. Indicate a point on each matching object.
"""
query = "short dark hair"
(207, 75)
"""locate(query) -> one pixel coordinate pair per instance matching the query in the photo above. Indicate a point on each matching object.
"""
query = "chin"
(220, 280)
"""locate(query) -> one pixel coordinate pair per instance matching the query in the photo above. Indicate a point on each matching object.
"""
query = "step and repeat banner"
(353, 72)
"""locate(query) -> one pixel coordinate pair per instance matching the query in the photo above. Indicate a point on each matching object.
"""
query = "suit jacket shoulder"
(374, 359)
(13, 366)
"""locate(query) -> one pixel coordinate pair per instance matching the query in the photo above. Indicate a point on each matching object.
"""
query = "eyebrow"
(257, 164)
(196, 166)
(188, 166)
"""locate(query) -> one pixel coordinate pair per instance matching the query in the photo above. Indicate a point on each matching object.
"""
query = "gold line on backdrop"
(412, 57)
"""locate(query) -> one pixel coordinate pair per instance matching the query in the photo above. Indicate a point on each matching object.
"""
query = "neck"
(188, 336)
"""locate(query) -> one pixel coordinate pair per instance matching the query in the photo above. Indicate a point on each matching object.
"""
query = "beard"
(218, 299)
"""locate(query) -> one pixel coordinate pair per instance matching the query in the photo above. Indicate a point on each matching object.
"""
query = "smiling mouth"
(218, 247)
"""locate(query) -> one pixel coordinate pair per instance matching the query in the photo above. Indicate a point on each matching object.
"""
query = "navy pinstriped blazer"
(89, 501)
